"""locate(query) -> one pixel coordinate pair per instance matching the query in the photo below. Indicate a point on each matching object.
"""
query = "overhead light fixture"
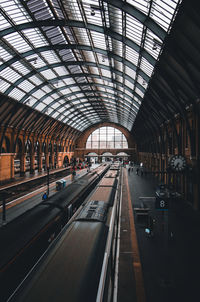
(27, 101)
(34, 60)
(92, 12)
(55, 82)
(94, 9)
(103, 58)
(154, 46)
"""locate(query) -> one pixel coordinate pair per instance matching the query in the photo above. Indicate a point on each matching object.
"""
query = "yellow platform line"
(137, 267)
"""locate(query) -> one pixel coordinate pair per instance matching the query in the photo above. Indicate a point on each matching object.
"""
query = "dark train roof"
(63, 274)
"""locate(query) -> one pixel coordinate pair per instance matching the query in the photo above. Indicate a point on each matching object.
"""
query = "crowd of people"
(140, 170)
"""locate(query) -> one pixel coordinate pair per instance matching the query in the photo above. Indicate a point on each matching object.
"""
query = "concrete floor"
(170, 265)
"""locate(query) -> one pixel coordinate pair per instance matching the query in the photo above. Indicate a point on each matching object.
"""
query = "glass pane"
(125, 145)
(88, 145)
(102, 145)
(118, 145)
(95, 136)
(118, 137)
(95, 145)
(110, 144)
(110, 136)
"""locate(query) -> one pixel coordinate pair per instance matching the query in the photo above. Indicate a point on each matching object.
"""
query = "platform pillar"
(40, 162)
(32, 164)
(47, 159)
(22, 164)
(53, 160)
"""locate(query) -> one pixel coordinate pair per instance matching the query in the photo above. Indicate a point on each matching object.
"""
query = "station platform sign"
(162, 204)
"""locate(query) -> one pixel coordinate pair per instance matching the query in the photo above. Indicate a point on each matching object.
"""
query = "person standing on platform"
(137, 171)
(131, 166)
(44, 196)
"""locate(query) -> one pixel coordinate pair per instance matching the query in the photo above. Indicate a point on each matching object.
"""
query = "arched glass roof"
(82, 62)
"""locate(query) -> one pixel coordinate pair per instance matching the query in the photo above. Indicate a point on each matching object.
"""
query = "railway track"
(17, 190)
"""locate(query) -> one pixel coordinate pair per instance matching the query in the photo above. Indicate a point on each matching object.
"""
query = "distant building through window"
(107, 138)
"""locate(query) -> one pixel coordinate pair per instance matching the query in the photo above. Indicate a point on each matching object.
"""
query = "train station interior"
(99, 132)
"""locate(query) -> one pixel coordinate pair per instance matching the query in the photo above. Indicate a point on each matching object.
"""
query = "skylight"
(89, 50)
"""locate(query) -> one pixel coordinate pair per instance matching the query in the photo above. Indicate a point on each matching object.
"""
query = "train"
(73, 267)
(26, 238)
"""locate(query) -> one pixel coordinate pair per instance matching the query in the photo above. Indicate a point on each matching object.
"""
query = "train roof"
(108, 182)
(94, 211)
(112, 173)
(105, 194)
(72, 270)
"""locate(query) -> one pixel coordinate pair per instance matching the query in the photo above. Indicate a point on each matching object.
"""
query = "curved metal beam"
(80, 24)
(124, 107)
(58, 65)
(91, 97)
(79, 47)
(79, 75)
(74, 85)
(85, 91)
(76, 117)
(141, 17)
(54, 65)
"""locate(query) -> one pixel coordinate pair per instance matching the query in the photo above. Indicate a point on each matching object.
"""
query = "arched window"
(107, 138)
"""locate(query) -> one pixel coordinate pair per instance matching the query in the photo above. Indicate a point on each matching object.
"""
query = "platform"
(154, 269)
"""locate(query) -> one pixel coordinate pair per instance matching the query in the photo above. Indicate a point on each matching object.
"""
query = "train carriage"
(71, 268)
(30, 234)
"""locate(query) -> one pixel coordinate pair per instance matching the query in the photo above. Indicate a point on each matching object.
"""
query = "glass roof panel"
(35, 36)
(3, 85)
(16, 11)
(10, 74)
(48, 74)
(17, 93)
(17, 42)
(98, 40)
(142, 5)
(134, 29)
(20, 68)
(4, 54)
(26, 86)
(39, 93)
(89, 57)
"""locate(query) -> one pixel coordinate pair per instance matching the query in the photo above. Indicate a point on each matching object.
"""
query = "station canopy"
(82, 62)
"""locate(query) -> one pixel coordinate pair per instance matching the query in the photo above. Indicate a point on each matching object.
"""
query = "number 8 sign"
(161, 204)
